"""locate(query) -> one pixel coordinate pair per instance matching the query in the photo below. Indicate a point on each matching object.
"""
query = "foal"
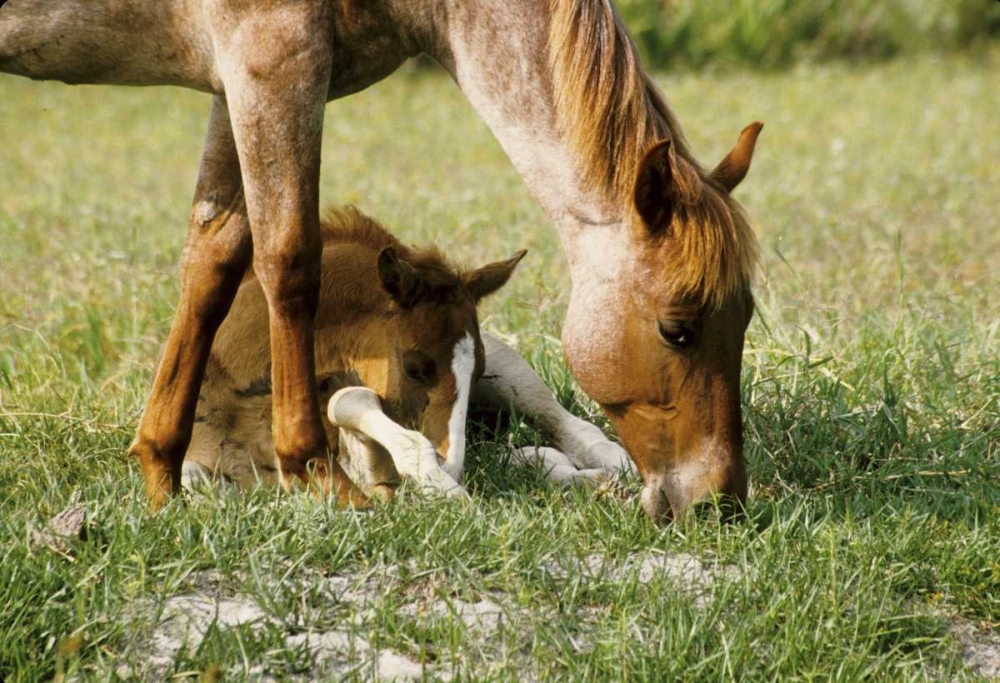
(399, 321)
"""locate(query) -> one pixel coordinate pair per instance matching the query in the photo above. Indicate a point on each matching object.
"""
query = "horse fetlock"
(588, 447)
(437, 481)
(195, 476)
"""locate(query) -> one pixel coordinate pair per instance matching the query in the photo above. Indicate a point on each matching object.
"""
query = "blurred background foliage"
(774, 34)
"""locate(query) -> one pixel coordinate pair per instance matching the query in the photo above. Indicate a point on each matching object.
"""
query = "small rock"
(66, 525)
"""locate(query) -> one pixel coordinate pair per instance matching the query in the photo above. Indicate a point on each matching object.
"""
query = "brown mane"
(348, 225)
(613, 113)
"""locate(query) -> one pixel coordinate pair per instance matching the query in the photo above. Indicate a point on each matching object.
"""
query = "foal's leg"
(357, 409)
(275, 63)
(215, 257)
(508, 381)
(557, 466)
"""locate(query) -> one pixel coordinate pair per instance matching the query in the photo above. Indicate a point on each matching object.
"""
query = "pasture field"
(871, 389)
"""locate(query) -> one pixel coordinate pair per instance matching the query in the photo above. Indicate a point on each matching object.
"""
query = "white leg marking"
(195, 476)
(358, 408)
(558, 468)
(463, 364)
(510, 381)
(366, 461)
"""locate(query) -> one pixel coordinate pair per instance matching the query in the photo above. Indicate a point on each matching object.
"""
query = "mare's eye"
(419, 368)
(676, 334)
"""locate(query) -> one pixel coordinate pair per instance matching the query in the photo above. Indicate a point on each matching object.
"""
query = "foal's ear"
(660, 184)
(398, 278)
(734, 167)
(491, 277)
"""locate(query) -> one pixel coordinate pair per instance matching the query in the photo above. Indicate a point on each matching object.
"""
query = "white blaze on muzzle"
(463, 364)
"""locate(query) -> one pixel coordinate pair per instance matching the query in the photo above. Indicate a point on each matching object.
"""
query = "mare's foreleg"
(276, 75)
(216, 255)
(509, 382)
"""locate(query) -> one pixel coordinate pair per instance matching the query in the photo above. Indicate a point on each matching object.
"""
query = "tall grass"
(775, 33)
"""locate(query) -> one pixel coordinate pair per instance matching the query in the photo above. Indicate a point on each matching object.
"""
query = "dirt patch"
(690, 573)
(161, 630)
(980, 648)
(65, 526)
(483, 616)
(184, 620)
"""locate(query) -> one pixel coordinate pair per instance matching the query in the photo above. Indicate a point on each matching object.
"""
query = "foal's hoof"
(599, 453)
(458, 492)
(349, 406)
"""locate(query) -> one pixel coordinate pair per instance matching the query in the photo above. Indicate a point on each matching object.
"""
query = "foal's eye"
(419, 368)
(676, 334)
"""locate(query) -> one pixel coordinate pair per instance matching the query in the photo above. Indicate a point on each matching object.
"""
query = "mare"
(397, 320)
(661, 256)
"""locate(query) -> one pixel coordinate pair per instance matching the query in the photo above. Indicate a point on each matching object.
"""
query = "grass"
(871, 391)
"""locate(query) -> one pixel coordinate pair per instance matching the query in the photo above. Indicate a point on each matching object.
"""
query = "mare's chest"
(368, 46)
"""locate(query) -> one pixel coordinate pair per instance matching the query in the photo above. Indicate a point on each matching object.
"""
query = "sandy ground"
(159, 630)
(183, 620)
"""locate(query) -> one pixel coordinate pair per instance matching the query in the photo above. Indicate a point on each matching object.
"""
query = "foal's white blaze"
(463, 364)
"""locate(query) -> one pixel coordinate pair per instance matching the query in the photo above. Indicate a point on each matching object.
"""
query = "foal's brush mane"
(347, 225)
(612, 114)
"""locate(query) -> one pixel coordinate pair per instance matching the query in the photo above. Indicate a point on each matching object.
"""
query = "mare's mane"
(612, 113)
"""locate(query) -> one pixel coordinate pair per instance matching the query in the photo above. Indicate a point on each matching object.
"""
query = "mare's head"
(684, 320)
(655, 327)
(663, 346)
(436, 352)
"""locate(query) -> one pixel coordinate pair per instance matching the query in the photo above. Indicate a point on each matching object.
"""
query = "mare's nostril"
(655, 503)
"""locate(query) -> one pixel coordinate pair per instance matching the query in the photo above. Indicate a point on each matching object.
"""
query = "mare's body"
(660, 256)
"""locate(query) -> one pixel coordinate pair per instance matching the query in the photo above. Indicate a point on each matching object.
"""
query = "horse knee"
(213, 266)
(288, 268)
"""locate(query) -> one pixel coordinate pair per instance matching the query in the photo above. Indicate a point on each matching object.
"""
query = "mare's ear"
(398, 278)
(734, 167)
(658, 186)
(491, 277)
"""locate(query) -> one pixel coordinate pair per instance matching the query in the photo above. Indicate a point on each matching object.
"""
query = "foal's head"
(436, 353)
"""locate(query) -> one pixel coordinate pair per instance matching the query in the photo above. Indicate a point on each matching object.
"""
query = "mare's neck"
(497, 52)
